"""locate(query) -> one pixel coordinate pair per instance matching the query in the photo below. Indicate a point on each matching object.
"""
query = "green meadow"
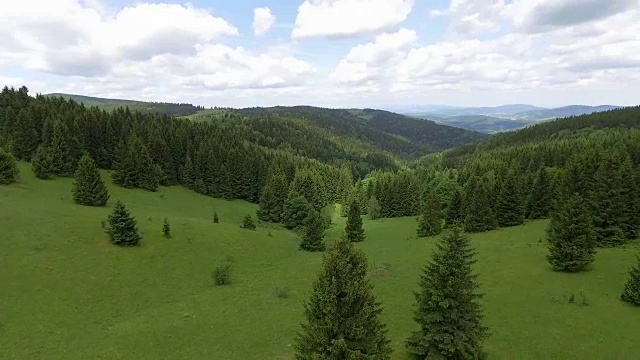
(67, 293)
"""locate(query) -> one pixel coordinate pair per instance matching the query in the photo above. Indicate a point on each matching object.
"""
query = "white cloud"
(263, 20)
(475, 16)
(318, 18)
(371, 61)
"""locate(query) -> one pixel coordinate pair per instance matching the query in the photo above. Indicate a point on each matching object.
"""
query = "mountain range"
(499, 118)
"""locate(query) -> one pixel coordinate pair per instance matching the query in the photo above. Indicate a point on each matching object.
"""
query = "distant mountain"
(174, 109)
(565, 111)
(499, 111)
(481, 123)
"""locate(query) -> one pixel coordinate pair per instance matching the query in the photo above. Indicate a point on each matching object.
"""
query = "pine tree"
(188, 175)
(166, 229)
(353, 229)
(25, 136)
(308, 185)
(273, 197)
(8, 168)
(62, 162)
(122, 228)
(455, 211)
(41, 164)
(373, 208)
(540, 197)
(247, 222)
(133, 167)
(313, 237)
(478, 213)
(447, 309)
(295, 211)
(88, 187)
(215, 218)
(631, 292)
(342, 314)
(430, 220)
(608, 204)
(508, 207)
(571, 236)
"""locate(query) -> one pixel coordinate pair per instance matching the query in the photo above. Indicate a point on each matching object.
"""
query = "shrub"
(222, 275)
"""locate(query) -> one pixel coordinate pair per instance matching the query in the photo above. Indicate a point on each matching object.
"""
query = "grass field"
(66, 293)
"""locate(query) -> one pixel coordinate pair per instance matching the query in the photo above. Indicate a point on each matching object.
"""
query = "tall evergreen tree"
(295, 211)
(8, 168)
(313, 237)
(631, 292)
(41, 163)
(455, 211)
(353, 229)
(540, 197)
(478, 213)
(307, 184)
(509, 209)
(25, 136)
(133, 167)
(88, 187)
(342, 316)
(122, 228)
(430, 220)
(608, 203)
(571, 236)
(447, 307)
(274, 194)
(62, 163)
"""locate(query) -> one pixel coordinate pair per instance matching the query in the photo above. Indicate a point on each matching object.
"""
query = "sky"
(332, 53)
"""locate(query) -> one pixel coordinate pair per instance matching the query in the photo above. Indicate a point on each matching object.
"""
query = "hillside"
(480, 123)
(172, 109)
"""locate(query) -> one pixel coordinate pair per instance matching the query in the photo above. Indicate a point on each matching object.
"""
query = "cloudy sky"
(337, 53)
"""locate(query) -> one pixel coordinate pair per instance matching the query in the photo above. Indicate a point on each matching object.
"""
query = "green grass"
(68, 294)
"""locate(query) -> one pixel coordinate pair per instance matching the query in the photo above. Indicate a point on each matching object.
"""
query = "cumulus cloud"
(545, 15)
(475, 16)
(370, 61)
(326, 18)
(263, 20)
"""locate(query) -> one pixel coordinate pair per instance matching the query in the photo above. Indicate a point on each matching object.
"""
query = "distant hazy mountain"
(503, 118)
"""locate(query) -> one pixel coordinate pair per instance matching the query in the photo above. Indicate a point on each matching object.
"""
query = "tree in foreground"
(430, 220)
(122, 228)
(353, 229)
(447, 307)
(247, 222)
(166, 229)
(41, 163)
(313, 237)
(631, 293)
(342, 314)
(8, 168)
(571, 237)
(88, 187)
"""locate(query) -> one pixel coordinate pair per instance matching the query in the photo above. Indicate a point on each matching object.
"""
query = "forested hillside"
(173, 109)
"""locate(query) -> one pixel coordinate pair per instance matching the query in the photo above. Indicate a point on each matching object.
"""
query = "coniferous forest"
(306, 194)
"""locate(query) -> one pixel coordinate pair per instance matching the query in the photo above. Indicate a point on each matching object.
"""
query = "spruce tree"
(608, 203)
(313, 237)
(88, 187)
(540, 197)
(571, 236)
(295, 211)
(62, 162)
(342, 316)
(447, 310)
(8, 168)
(455, 211)
(166, 229)
(430, 220)
(133, 167)
(25, 136)
(122, 229)
(631, 292)
(273, 197)
(373, 208)
(41, 163)
(215, 218)
(247, 223)
(509, 209)
(478, 213)
(353, 229)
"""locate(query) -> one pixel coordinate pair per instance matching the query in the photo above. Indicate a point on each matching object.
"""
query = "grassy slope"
(68, 294)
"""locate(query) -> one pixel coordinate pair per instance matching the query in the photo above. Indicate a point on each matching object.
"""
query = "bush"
(247, 223)
(222, 275)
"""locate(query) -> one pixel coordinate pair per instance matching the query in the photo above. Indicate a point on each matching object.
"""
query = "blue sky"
(335, 53)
